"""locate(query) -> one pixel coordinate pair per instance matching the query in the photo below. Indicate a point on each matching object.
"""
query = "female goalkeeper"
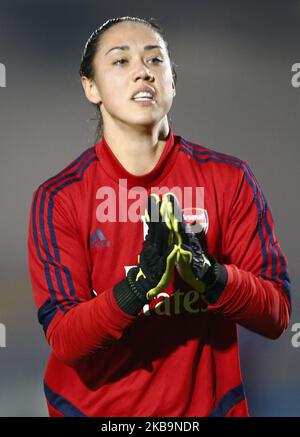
(140, 308)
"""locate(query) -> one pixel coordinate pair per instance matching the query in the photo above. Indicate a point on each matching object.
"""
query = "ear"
(90, 90)
(174, 89)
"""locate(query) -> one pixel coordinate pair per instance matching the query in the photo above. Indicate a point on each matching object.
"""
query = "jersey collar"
(114, 169)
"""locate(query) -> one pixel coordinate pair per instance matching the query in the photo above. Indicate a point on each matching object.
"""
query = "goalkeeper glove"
(199, 269)
(155, 263)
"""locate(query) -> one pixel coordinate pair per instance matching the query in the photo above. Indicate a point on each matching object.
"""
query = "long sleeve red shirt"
(171, 359)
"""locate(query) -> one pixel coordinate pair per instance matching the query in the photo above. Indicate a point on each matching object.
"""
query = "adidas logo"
(97, 239)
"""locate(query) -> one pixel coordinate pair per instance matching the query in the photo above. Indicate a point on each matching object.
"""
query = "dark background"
(234, 94)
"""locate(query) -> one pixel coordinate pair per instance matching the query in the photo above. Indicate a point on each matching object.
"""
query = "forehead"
(131, 34)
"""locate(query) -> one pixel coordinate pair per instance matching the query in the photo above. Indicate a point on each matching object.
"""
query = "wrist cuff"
(128, 299)
(215, 288)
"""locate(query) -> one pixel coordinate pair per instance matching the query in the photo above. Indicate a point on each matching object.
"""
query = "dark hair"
(91, 47)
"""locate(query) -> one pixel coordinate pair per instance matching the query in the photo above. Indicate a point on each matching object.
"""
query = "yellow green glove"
(155, 263)
(198, 269)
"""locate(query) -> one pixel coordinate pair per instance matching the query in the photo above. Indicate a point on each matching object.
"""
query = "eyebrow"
(148, 47)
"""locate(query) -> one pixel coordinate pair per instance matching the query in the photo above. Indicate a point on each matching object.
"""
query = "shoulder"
(203, 154)
(221, 167)
(61, 195)
(208, 157)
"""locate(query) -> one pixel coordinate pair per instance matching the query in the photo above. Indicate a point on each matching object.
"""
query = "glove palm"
(155, 263)
(200, 270)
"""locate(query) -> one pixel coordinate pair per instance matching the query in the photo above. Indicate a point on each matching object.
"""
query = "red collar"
(114, 169)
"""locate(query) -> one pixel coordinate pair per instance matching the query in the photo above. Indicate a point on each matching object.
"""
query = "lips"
(144, 89)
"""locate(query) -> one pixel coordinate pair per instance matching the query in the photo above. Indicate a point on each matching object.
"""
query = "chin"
(146, 119)
(143, 121)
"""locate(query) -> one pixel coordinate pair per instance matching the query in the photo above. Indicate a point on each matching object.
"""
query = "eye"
(120, 61)
(156, 60)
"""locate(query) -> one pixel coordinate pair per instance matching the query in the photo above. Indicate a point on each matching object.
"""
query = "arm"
(257, 292)
(75, 323)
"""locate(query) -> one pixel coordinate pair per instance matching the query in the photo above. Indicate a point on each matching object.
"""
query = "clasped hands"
(169, 242)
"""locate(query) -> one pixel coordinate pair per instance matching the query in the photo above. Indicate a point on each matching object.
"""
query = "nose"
(143, 72)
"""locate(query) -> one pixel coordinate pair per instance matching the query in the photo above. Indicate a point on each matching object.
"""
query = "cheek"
(167, 79)
(167, 87)
(111, 86)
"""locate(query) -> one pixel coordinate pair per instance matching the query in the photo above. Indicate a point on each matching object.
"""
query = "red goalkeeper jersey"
(174, 358)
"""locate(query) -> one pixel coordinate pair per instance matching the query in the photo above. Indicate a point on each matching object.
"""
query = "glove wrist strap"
(128, 297)
(216, 280)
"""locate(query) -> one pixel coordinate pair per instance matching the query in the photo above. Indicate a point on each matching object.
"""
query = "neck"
(138, 150)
